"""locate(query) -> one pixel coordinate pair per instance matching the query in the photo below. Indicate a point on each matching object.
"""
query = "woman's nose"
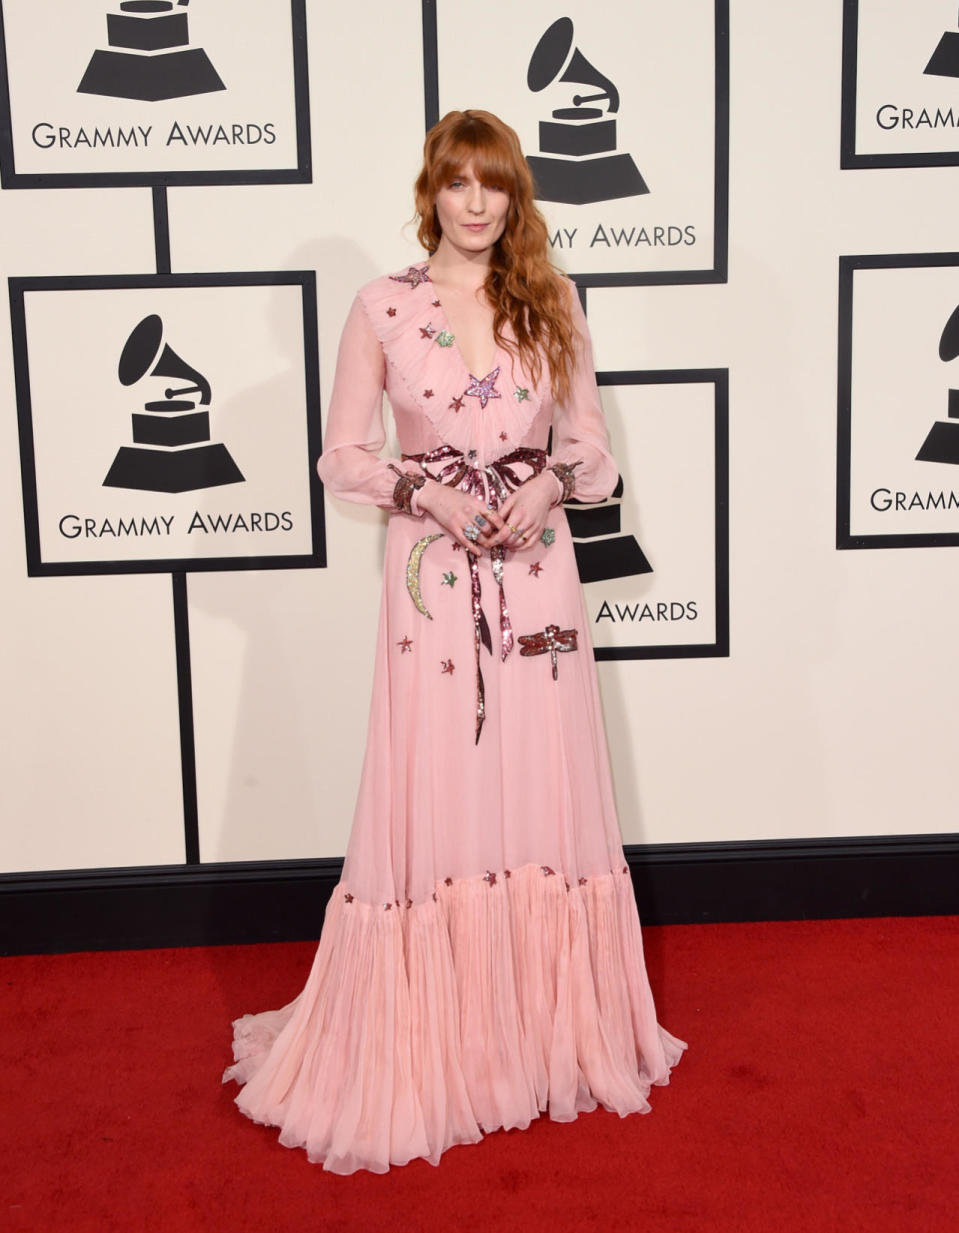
(477, 199)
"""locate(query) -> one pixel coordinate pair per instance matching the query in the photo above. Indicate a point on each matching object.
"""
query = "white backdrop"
(832, 714)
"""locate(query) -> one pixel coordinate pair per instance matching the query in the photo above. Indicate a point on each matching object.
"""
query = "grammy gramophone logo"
(150, 57)
(172, 450)
(942, 441)
(602, 551)
(578, 163)
(944, 61)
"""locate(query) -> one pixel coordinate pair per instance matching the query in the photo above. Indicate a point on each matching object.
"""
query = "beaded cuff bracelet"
(565, 473)
(406, 485)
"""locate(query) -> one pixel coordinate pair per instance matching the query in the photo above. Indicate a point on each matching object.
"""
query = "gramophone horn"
(547, 60)
(949, 342)
(142, 354)
(552, 53)
(581, 72)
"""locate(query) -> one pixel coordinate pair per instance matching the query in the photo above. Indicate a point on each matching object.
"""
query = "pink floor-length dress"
(481, 959)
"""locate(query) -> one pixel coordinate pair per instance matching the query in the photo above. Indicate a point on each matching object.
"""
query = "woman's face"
(471, 215)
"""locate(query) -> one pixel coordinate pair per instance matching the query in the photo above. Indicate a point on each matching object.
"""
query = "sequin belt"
(492, 484)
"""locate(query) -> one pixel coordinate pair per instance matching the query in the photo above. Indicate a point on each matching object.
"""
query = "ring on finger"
(471, 532)
(480, 521)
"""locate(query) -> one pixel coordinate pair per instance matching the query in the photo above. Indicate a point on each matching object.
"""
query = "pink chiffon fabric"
(481, 960)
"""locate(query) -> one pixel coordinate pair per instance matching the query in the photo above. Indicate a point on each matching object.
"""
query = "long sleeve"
(350, 466)
(579, 426)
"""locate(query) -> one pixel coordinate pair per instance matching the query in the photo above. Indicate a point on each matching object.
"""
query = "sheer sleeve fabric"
(350, 466)
(579, 427)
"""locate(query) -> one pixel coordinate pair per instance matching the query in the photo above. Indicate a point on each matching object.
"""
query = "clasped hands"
(519, 521)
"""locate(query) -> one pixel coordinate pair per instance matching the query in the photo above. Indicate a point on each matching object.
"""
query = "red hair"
(522, 286)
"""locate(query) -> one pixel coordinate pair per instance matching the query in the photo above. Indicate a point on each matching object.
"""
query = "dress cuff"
(415, 504)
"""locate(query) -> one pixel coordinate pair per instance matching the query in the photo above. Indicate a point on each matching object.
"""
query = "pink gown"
(481, 959)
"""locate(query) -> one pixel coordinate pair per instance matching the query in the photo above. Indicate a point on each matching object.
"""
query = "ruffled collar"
(489, 413)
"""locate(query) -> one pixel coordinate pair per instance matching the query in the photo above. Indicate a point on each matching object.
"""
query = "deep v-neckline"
(448, 326)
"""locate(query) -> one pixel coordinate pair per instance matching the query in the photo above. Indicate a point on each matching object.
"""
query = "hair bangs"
(473, 143)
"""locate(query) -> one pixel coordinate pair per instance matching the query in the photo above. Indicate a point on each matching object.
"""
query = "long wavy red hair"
(522, 286)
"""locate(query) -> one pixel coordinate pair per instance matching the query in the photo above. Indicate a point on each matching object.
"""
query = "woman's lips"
(475, 226)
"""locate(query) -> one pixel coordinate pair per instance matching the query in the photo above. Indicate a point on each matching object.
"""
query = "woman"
(481, 959)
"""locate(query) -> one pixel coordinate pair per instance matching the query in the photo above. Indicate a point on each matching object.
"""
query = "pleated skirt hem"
(425, 1025)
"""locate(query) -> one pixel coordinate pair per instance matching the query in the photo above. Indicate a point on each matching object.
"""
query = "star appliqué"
(503, 436)
(535, 569)
(449, 579)
(391, 312)
(448, 666)
(484, 389)
(456, 404)
(413, 276)
(520, 394)
(405, 644)
(427, 393)
(428, 330)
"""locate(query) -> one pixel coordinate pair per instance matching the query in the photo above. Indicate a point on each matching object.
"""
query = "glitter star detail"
(391, 312)
(449, 580)
(520, 394)
(448, 667)
(427, 393)
(489, 877)
(348, 897)
(456, 404)
(428, 330)
(436, 303)
(445, 338)
(405, 644)
(457, 547)
(413, 276)
(548, 536)
(484, 390)
(535, 569)
(547, 872)
(503, 436)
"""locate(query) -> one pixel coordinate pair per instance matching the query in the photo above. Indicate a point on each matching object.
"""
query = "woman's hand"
(526, 510)
(455, 510)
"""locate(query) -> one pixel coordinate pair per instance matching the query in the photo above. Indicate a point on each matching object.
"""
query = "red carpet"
(820, 1092)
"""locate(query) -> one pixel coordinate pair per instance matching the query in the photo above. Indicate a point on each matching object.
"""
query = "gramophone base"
(177, 74)
(602, 559)
(945, 59)
(942, 443)
(207, 466)
(583, 183)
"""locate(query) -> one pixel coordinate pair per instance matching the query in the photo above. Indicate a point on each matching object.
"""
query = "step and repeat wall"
(758, 207)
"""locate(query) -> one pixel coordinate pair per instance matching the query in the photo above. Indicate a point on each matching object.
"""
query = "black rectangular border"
(849, 160)
(302, 173)
(719, 272)
(271, 901)
(847, 269)
(36, 567)
(719, 378)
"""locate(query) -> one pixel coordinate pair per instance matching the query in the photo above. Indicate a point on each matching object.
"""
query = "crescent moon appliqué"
(413, 572)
